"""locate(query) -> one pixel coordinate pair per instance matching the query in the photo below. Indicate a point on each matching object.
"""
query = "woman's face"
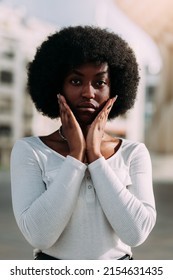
(86, 89)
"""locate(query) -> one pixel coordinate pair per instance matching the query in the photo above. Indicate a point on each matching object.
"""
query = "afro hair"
(73, 46)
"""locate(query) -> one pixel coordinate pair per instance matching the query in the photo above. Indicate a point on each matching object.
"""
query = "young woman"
(80, 193)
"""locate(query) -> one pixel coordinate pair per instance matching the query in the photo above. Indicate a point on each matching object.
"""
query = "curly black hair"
(73, 46)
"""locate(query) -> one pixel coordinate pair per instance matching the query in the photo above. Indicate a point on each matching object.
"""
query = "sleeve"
(42, 214)
(129, 209)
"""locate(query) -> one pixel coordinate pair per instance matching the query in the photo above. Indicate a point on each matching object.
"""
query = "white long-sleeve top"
(71, 210)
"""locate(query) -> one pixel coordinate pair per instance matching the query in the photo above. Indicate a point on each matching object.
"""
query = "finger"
(63, 111)
(64, 104)
(68, 115)
(103, 115)
(64, 108)
(114, 98)
(111, 102)
(105, 110)
(59, 102)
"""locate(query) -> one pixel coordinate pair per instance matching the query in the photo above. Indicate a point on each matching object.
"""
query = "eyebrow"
(77, 72)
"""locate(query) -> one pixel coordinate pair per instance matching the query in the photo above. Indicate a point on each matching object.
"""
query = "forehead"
(91, 68)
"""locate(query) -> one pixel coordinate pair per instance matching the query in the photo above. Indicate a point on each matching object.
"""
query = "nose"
(88, 91)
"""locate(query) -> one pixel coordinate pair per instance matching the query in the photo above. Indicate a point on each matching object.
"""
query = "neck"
(85, 129)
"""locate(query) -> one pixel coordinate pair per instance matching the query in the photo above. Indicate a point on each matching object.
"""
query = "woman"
(80, 193)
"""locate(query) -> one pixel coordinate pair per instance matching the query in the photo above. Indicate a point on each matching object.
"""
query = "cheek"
(71, 95)
(104, 96)
(70, 91)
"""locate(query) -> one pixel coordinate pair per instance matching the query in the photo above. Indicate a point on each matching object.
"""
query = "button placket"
(88, 177)
(90, 193)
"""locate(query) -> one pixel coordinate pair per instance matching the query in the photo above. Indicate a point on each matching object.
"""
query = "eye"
(75, 82)
(101, 83)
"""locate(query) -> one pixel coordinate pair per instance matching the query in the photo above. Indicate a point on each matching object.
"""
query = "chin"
(85, 120)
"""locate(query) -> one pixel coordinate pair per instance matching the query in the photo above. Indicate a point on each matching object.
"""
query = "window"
(5, 105)
(5, 130)
(6, 77)
(9, 54)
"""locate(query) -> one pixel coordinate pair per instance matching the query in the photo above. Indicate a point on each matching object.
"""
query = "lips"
(87, 105)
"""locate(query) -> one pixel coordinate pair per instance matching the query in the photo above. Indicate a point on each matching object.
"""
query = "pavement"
(158, 246)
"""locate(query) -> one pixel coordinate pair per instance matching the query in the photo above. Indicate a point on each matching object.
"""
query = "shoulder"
(26, 143)
(131, 146)
(26, 147)
(134, 149)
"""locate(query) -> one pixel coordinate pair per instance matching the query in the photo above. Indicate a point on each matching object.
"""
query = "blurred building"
(156, 18)
(18, 40)
(135, 124)
(19, 37)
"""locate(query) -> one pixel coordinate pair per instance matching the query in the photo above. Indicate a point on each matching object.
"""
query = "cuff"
(77, 163)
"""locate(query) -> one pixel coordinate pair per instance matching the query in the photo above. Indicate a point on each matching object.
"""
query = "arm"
(43, 214)
(130, 211)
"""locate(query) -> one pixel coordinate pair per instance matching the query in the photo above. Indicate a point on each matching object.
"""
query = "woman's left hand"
(96, 132)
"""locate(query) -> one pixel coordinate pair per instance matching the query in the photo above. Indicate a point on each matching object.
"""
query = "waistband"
(43, 256)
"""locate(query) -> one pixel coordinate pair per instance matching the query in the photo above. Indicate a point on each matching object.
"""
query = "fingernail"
(116, 96)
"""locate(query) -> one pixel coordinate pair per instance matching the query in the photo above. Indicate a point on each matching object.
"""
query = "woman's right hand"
(71, 130)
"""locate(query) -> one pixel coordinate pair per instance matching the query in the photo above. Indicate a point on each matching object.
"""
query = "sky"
(58, 12)
(96, 12)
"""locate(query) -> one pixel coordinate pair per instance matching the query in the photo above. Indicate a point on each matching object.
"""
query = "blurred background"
(148, 27)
